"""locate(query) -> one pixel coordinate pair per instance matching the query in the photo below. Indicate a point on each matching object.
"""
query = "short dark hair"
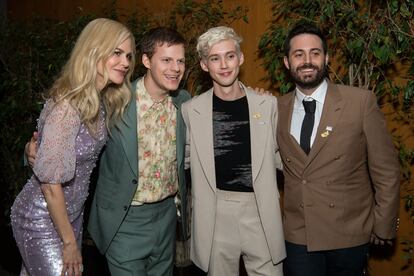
(304, 27)
(157, 37)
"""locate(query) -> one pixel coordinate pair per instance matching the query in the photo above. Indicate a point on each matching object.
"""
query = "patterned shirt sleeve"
(56, 156)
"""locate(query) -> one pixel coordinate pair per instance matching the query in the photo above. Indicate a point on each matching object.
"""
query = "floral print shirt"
(157, 166)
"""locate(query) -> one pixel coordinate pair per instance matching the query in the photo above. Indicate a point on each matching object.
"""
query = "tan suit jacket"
(329, 198)
(198, 116)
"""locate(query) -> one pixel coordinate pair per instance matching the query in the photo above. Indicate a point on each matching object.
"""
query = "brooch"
(326, 132)
(257, 115)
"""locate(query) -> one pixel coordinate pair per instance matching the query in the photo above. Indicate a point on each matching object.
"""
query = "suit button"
(301, 205)
(337, 157)
(304, 182)
(134, 181)
(287, 160)
(125, 208)
(331, 205)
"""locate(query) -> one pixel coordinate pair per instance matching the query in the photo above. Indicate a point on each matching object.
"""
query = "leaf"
(264, 40)
(409, 92)
(329, 10)
(356, 48)
(285, 88)
(405, 12)
(382, 53)
(394, 6)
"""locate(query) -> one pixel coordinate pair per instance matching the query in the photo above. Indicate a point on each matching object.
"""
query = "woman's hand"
(30, 149)
(72, 260)
(260, 91)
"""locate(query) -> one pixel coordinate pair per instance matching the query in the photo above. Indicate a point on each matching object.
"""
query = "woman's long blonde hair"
(77, 80)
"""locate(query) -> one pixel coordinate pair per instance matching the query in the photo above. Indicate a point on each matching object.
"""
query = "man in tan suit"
(231, 133)
(340, 166)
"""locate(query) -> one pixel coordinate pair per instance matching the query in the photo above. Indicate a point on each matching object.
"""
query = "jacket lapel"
(332, 111)
(180, 127)
(259, 117)
(128, 132)
(201, 120)
(284, 124)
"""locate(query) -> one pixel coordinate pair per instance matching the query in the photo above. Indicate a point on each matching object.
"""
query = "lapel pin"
(326, 132)
(257, 115)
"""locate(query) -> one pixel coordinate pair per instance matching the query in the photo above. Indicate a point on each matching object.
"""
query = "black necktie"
(307, 125)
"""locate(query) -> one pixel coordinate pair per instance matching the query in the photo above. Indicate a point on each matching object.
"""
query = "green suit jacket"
(118, 177)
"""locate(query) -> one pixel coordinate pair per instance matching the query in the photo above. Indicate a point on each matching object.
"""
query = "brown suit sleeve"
(384, 169)
(275, 120)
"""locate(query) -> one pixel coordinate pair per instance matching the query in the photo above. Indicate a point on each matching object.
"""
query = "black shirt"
(232, 151)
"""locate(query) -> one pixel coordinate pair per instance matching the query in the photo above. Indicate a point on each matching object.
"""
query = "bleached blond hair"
(215, 35)
(77, 81)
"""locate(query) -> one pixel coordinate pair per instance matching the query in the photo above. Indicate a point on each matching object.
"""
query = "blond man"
(233, 154)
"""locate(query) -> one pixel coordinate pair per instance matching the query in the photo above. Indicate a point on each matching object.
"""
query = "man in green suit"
(133, 214)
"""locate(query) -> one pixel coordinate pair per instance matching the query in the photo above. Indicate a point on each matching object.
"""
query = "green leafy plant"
(371, 46)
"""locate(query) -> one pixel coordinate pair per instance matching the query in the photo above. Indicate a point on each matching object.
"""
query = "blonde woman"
(89, 96)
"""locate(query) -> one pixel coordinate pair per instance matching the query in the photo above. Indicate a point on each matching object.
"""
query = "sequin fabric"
(67, 153)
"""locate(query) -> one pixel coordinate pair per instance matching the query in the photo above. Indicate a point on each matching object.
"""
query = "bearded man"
(340, 166)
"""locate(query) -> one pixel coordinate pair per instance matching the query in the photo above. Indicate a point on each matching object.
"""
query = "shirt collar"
(144, 99)
(318, 95)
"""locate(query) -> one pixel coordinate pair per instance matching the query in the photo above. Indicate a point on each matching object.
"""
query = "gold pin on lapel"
(326, 132)
(257, 115)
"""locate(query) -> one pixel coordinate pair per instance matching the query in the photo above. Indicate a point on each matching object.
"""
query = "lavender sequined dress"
(67, 153)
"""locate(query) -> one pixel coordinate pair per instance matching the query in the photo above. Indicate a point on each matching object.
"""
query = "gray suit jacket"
(118, 178)
(329, 201)
(198, 117)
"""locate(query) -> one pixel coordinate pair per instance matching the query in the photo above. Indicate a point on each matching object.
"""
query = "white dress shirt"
(299, 111)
